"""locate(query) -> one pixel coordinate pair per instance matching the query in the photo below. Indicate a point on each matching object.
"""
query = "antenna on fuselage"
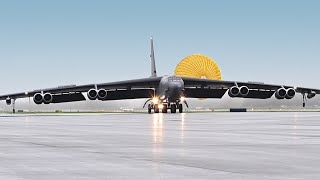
(153, 62)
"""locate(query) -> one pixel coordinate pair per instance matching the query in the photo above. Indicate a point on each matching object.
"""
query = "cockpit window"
(174, 79)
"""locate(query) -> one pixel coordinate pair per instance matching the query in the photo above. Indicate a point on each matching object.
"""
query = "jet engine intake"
(8, 101)
(244, 91)
(38, 98)
(47, 98)
(102, 94)
(312, 94)
(290, 93)
(234, 91)
(92, 94)
(281, 93)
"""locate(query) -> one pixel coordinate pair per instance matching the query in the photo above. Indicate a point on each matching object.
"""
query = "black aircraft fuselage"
(170, 89)
(169, 95)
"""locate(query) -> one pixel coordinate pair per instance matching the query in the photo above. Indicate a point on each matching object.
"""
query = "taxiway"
(161, 146)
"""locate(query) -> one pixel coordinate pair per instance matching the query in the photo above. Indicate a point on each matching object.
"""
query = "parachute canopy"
(198, 66)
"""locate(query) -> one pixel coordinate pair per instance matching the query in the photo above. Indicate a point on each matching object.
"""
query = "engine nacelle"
(102, 94)
(92, 94)
(234, 91)
(312, 94)
(47, 98)
(244, 91)
(281, 93)
(38, 98)
(8, 101)
(290, 93)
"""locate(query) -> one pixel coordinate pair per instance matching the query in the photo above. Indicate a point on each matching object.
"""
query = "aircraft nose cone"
(175, 90)
(175, 86)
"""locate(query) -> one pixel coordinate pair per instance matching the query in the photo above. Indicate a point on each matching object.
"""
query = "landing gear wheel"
(149, 109)
(180, 108)
(156, 108)
(173, 108)
(165, 109)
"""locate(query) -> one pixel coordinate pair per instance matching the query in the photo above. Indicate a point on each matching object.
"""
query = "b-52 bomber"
(163, 93)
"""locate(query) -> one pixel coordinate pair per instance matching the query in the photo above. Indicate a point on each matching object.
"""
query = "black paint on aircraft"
(163, 93)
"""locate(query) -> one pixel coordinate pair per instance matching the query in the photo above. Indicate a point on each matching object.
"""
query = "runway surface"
(161, 146)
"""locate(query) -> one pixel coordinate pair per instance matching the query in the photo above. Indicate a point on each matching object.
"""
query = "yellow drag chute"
(198, 66)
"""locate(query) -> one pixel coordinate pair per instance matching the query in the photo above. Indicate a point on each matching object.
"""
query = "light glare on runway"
(161, 146)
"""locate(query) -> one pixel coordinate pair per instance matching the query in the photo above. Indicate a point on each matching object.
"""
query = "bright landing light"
(182, 98)
(155, 100)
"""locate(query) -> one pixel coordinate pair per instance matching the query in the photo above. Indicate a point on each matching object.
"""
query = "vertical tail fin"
(153, 62)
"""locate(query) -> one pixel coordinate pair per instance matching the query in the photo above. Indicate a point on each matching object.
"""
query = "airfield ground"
(255, 145)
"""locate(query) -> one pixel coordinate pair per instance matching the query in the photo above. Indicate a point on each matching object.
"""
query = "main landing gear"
(165, 108)
(173, 107)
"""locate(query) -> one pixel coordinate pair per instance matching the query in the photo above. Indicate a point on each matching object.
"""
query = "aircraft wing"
(130, 89)
(205, 88)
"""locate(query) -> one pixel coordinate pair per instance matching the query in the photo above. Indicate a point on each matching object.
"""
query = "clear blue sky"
(50, 43)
